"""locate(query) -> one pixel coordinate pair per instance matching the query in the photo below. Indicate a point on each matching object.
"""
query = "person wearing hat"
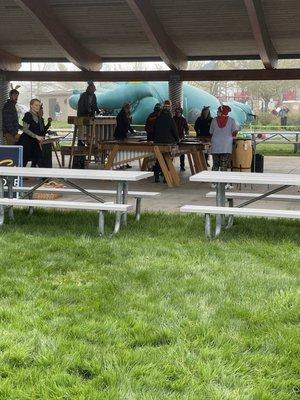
(87, 107)
(223, 128)
(87, 103)
(183, 129)
(149, 126)
(10, 119)
(165, 131)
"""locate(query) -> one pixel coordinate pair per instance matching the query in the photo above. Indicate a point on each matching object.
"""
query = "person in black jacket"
(165, 129)
(87, 107)
(123, 123)
(32, 136)
(202, 126)
(149, 126)
(87, 103)
(10, 119)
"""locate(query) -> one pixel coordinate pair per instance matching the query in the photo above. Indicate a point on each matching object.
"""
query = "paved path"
(194, 193)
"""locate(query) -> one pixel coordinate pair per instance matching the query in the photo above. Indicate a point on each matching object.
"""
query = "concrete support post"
(176, 90)
(4, 89)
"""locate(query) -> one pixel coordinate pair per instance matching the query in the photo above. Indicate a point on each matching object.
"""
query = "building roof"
(112, 29)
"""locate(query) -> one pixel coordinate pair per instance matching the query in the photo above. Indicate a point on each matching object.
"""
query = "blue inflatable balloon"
(144, 95)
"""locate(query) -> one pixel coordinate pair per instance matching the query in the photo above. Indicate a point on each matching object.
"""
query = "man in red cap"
(223, 128)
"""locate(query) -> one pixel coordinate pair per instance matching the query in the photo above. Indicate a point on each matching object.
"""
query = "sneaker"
(213, 185)
(228, 186)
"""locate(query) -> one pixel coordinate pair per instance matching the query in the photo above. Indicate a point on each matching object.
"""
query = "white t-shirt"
(221, 141)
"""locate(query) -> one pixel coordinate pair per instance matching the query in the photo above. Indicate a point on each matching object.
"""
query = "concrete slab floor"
(172, 199)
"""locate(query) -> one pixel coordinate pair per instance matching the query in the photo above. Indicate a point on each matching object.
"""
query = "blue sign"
(12, 156)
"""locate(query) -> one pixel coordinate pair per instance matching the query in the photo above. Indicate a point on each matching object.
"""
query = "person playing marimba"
(32, 136)
(223, 129)
(123, 123)
(149, 126)
(87, 107)
(183, 129)
(165, 131)
(202, 126)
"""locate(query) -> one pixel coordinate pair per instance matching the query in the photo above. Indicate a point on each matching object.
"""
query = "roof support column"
(176, 90)
(4, 89)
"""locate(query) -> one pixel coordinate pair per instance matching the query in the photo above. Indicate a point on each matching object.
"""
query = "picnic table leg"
(172, 170)
(202, 160)
(111, 157)
(163, 166)
(101, 223)
(72, 146)
(138, 209)
(1, 196)
(10, 184)
(124, 201)
(119, 199)
(191, 163)
(220, 200)
(55, 152)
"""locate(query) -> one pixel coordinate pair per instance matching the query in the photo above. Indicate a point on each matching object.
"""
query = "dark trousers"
(221, 161)
(182, 161)
(79, 161)
(283, 121)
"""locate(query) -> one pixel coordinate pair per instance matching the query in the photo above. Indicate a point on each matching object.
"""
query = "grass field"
(277, 150)
(155, 313)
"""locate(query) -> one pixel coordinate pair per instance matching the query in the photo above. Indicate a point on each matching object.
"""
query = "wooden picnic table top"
(247, 177)
(109, 175)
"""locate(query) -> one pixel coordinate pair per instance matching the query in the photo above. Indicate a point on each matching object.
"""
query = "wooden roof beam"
(55, 30)
(167, 50)
(266, 49)
(9, 62)
(138, 76)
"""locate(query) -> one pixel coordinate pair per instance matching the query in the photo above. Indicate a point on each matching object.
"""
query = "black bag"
(259, 163)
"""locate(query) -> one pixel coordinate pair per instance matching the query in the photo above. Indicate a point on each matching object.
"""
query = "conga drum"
(242, 155)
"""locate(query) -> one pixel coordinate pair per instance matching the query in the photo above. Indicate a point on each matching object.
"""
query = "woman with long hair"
(33, 135)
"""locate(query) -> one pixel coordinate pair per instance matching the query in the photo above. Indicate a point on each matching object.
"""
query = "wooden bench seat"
(73, 205)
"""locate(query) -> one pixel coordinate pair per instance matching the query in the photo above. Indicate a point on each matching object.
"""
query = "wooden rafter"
(55, 30)
(266, 49)
(167, 50)
(137, 76)
(9, 61)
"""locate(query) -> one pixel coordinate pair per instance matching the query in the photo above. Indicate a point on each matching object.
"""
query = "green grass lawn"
(277, 149)
(157, 312)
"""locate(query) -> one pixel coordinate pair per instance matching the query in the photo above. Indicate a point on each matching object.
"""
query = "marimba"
(94, 130)
(123, 152)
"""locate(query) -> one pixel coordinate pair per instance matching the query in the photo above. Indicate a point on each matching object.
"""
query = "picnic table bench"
(120, 208)
(137, 195)
(283, 181)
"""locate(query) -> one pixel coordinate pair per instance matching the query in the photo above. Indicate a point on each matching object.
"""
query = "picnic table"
(220, 178)
(122, 179)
